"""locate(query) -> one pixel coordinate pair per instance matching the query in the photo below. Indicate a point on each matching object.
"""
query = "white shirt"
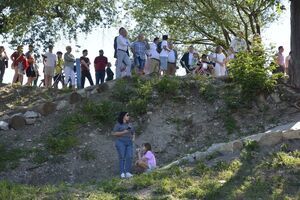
(153, 51)
(164, 53)
(50, 59)
(122, 43)
(191, 56)
(171, 56)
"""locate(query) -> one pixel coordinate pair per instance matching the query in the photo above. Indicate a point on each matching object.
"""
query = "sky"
(277, 34)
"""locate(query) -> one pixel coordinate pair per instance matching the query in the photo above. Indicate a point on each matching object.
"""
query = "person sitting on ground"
(146, 159)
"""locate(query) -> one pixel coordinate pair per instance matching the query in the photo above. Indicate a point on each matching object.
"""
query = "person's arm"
(82, 61)
(120, 133)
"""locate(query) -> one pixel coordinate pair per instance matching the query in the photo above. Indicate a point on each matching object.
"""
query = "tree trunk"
(294, 67)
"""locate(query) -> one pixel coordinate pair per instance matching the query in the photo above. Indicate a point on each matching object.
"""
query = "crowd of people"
(158, 57)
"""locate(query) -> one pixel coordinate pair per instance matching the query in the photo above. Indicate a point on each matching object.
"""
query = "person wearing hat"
(100, 63)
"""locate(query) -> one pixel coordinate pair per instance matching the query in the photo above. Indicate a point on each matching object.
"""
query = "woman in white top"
(220, 59)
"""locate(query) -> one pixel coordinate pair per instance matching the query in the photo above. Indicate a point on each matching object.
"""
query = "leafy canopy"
(43, 21)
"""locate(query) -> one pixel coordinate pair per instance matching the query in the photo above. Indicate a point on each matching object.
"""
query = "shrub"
(123, 90)
(61, 143)
(208, 91)
(168, 86)
(137, 106)
(251, 71)
(10, 157)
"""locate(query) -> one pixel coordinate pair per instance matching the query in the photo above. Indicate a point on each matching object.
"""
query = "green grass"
(9, 157)
(237, 179)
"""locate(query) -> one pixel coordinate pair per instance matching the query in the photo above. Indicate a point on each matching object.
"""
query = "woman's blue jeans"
(125, 150)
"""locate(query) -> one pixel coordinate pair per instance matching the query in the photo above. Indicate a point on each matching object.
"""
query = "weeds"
(9, 158)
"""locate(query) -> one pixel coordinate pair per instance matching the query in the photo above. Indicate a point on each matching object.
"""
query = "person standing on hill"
(69, 60)
(30, 73)
(164, 53)
(58, 71)
(85, 68)
(100, 63)
(50, 63)
(124, 133)
(139, 49)
(187, 59)
(109, 73)
(154, 56)
(123, 60)
(3, 59)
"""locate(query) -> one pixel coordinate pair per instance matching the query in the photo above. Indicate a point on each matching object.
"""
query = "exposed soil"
(174, 128)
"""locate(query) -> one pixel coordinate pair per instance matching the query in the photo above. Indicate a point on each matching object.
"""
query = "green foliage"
(40, 157)
(208, 91)
(123, 90)
(251, 71)
(43, 22)
(61, 143)
(10, 157)
(72, 122)
(142, 181)
(288, 160)
(104, 112)
(250, 150)
(213, 22)
(168, 86)
(137, 106)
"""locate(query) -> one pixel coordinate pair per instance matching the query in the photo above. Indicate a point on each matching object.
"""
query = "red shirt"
(19, 58)
(100, 63)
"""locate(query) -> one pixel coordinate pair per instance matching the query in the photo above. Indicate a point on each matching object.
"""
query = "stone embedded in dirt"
(75, 98)
(270, 139)
(31, 114)
(102, 87)
(61, 105)
(275, 97)
(237, 145)
(17, 122)
(4, 125)
(4, 118)
(291, 135)
(47, 108)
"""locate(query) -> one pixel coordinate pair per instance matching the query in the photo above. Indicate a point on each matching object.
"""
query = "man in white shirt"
(172, 59)
(164, 54)
(49, 66)
(154, 55)
(123, 60)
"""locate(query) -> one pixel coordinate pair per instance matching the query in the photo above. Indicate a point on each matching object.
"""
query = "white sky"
(278, 34)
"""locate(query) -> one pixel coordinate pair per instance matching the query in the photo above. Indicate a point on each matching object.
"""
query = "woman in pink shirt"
(146, 158)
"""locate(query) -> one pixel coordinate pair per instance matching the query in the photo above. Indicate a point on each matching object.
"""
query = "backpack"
(159, 49)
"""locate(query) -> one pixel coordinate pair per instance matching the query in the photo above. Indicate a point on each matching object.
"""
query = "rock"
(275, 97)
(291, 135)
(61, 105)
(47, 108)
(31, 114)
(149, 113)
(75, 98)
(220, 147)
(270, 139)
(237, 145)
(102, 87)
(4, 118)
(4, 125)
(17, 122)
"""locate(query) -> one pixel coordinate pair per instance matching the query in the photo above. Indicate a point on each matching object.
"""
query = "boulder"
(270, 139)
(4, 125)
(291, 135)
(237, 145)
(47, 108)
(220, 147)
(31, 114)
(17, 122)
(75, 98)
(61, 105)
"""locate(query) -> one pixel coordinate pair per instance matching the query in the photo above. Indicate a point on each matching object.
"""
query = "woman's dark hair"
(121, 117)
(165, 37)
(147, 146)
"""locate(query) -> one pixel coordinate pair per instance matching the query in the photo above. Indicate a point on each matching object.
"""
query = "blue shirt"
(139, 49)
(121, 127)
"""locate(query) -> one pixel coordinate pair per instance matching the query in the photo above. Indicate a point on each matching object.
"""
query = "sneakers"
(128, 175)
(123, 175)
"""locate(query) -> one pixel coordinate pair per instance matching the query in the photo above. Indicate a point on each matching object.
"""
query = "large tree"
(43, 21)
(294, 66)
(208, 22)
